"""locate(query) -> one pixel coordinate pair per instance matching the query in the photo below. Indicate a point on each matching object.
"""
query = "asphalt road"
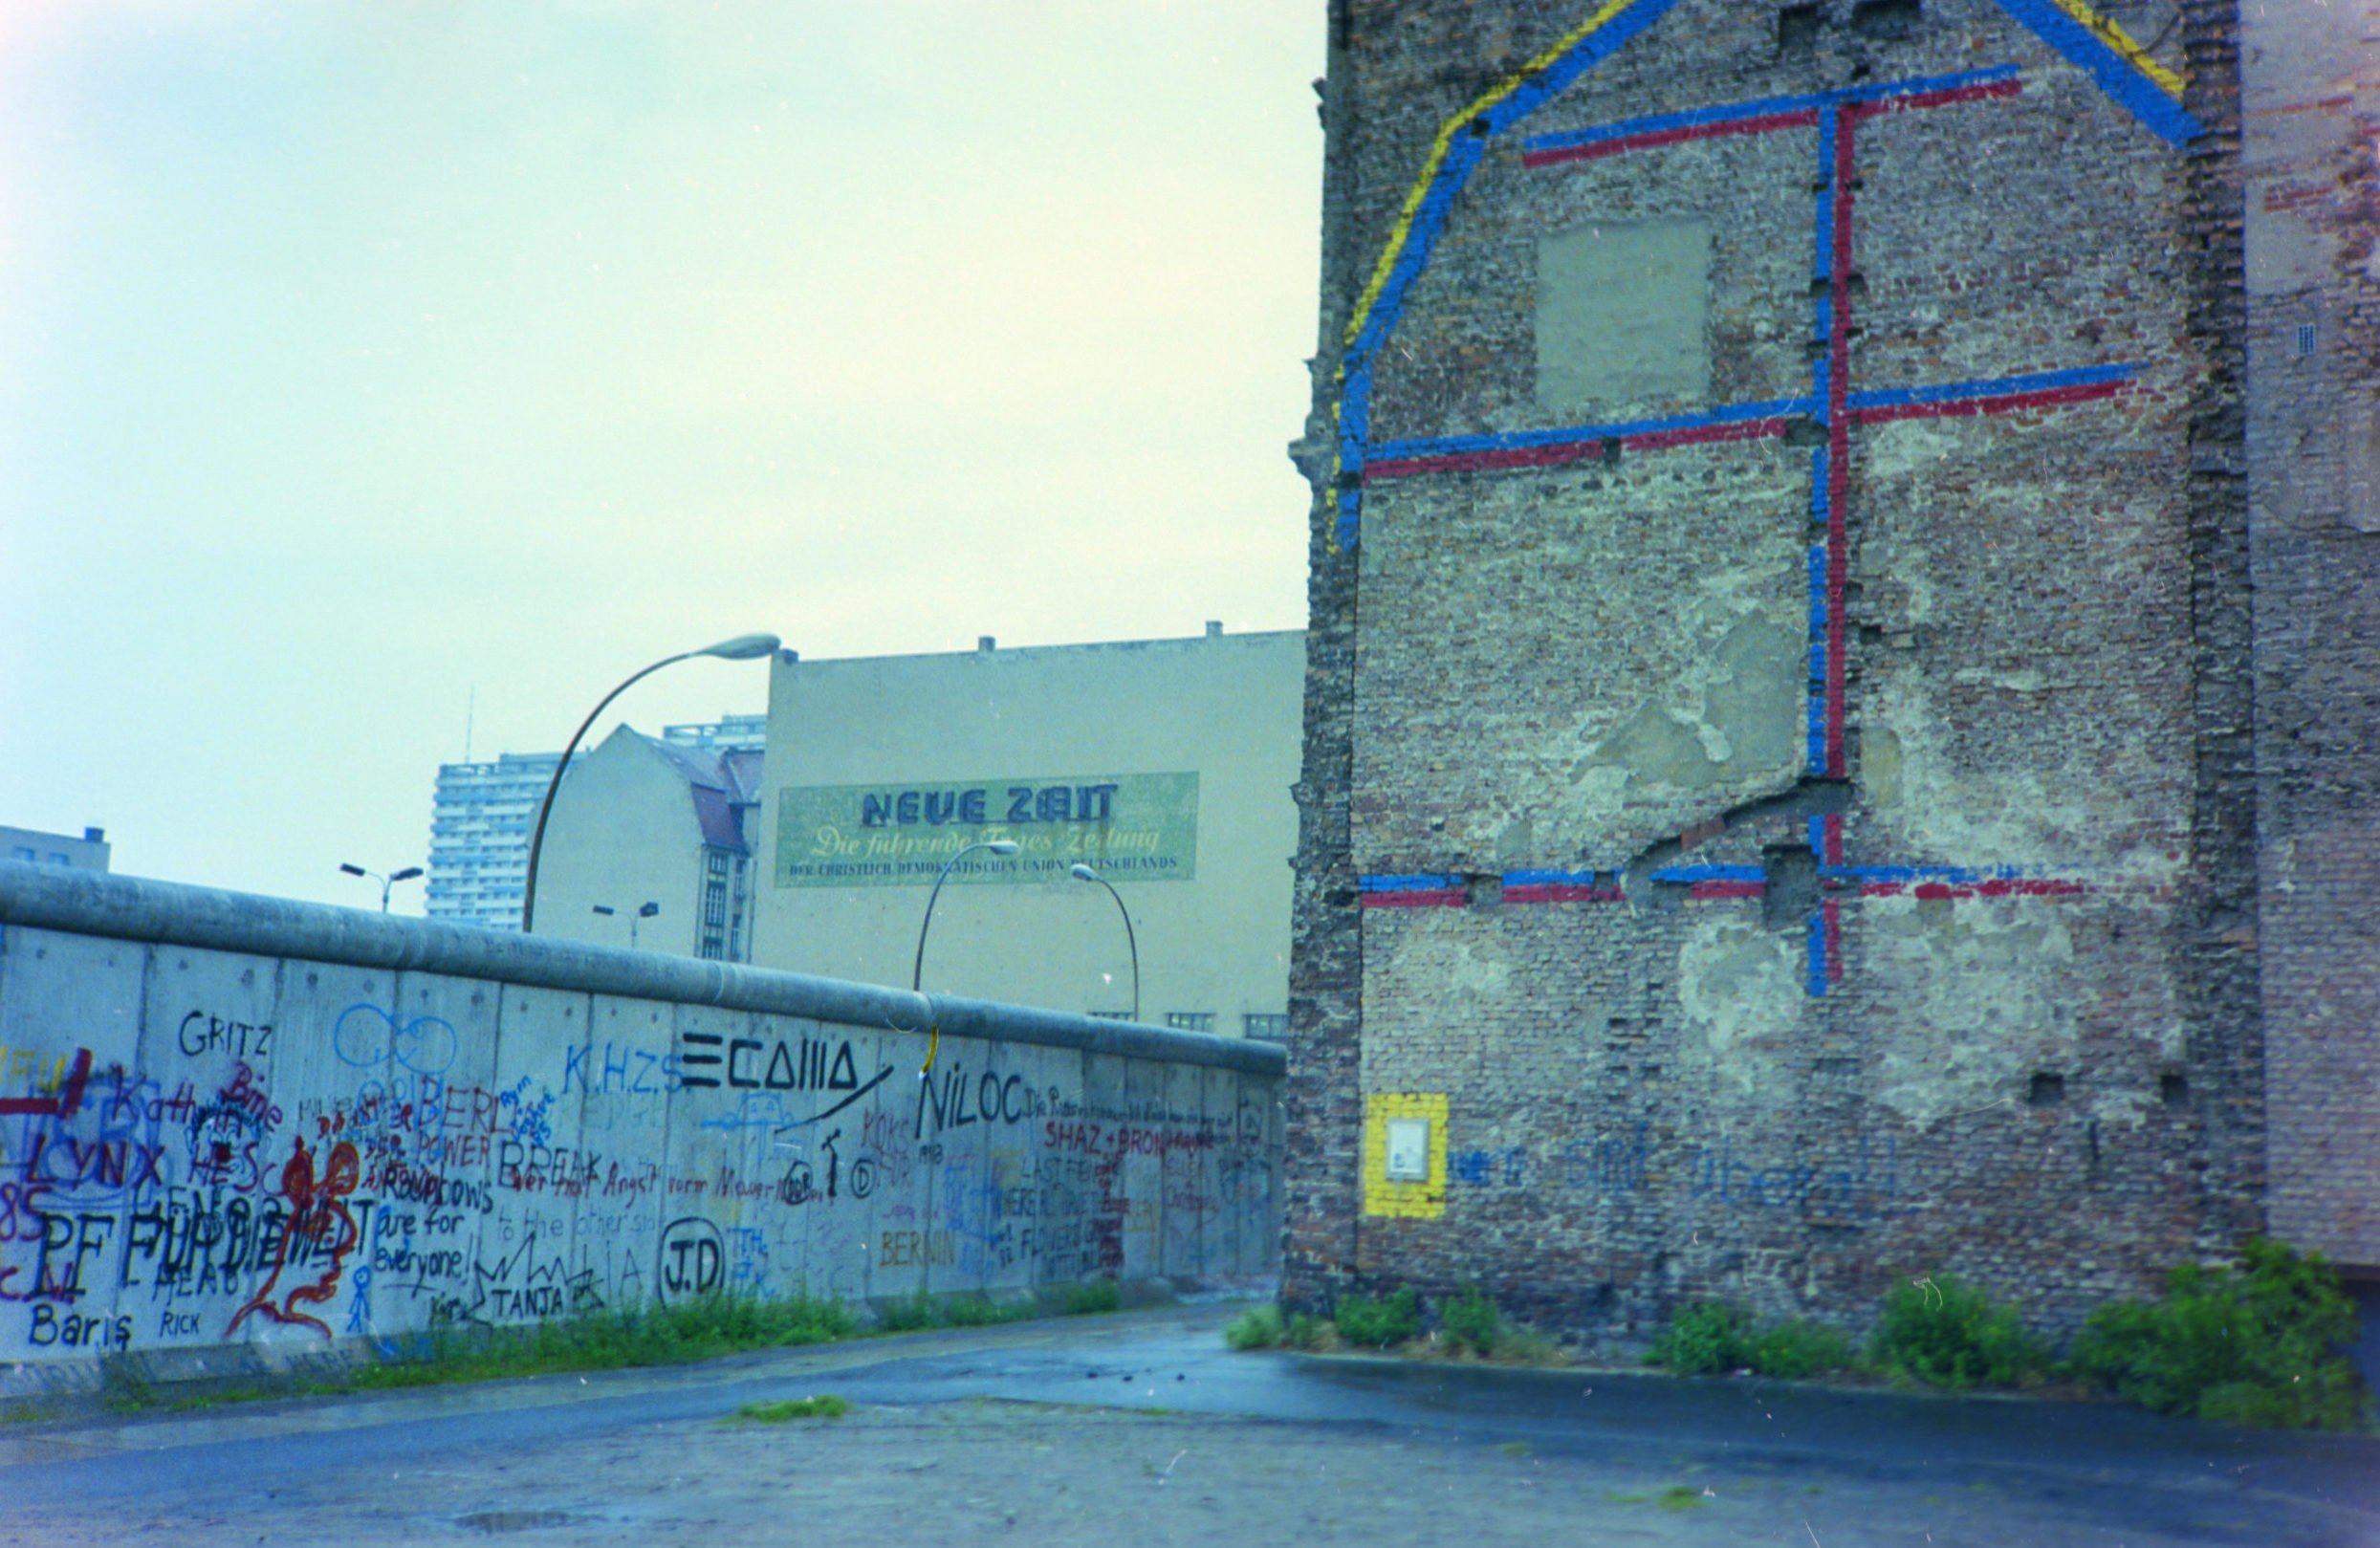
(1143, 1428)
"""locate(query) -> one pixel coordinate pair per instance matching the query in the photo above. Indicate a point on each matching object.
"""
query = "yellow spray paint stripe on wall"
(1405, 1201)
(2121, 42)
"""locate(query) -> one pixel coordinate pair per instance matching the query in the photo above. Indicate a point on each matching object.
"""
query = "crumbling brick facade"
(1784, 770)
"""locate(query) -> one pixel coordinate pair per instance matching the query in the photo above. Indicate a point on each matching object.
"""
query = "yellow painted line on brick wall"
(2120, 40)
(1447, 132)
(1404, 226)
(1404, 1201)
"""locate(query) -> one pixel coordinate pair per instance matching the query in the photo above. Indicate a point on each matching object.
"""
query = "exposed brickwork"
(1809, 814)
(2312, 116)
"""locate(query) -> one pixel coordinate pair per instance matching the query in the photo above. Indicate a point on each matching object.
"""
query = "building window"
(1272, 1029)
(2305, 339)
(714, 903)
(23, 852)
(1191, 1020)
(1109, 1016)
(715, 863)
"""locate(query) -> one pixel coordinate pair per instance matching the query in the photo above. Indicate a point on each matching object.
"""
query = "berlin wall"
(243, 1125)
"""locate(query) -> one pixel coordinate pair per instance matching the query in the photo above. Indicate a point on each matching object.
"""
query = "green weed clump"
(909, 1315)
(1258, 1327)
(1793, 1350)
(1099, 1295)
(1378, 1322)
(1471, 1321)
(824, 1406)
(1713, 1338)
(674, 1334)
(1704, 1340)
(982, 1311)
(1947, 1333)
(2255, 1342)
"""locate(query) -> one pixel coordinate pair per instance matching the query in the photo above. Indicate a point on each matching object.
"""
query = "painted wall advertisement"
(1127, 827)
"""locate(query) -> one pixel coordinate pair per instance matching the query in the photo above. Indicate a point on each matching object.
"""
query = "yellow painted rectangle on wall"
(1383, 1195)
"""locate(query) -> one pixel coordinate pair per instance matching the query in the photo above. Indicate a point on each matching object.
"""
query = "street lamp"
(743, 648)
(917, 975)
(646, 912)
(385, 882)
(1083, 873)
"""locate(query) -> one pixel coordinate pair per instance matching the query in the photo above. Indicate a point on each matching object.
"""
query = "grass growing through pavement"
(674, 1334)
(824, 1406)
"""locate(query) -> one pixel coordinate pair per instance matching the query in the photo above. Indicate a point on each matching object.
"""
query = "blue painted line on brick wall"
(2135, 93)
(1711, 873)
(1817, 954)
(1407, 884)
(1764, 107)
(1442, 445)
(1461, 159)
(2085, 376)
(1547, 878)
(1815, 752)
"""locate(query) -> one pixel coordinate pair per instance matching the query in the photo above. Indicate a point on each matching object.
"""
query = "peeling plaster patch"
(2061, 818)
(1910, 448)
(1728, 723)
(2024, 680)
(1740, 987)
(2122, 1109)
(1880, 767)
(1470, 973)
(1974, 1011)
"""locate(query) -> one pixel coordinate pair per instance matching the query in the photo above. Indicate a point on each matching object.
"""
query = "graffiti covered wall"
(246, 1121)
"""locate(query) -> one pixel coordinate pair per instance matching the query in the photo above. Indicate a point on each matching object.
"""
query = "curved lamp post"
(743, 648)
(917, 973)
(385, 882)
(1083, 873)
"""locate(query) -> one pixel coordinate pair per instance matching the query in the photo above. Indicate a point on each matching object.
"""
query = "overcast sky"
(355, 358)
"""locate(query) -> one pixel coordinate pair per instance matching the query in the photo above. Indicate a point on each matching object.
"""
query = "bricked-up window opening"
(1622, 311)
(1191, 1020)
(1798, 27)
(1483, 891)
(2048, 1090)
(1789, 892)
(1886, 19)
(2305, 339)
(2173, 1089)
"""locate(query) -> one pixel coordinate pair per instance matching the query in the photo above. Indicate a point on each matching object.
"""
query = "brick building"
(1801, 791)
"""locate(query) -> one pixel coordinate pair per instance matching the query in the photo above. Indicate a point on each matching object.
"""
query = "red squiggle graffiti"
(318, 1215)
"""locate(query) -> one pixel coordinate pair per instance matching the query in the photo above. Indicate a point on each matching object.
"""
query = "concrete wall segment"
(214, 1157)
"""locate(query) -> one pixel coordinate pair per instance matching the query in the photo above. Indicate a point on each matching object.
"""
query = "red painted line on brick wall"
(1839, 440)
(1563, 892)
(1725, 889)
(1884, 107)
(2006, 403)
(1446, 898)
(1558, 455)
(1832, 908)
(1999, 887)
(1744, 430)
(1799, 119)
